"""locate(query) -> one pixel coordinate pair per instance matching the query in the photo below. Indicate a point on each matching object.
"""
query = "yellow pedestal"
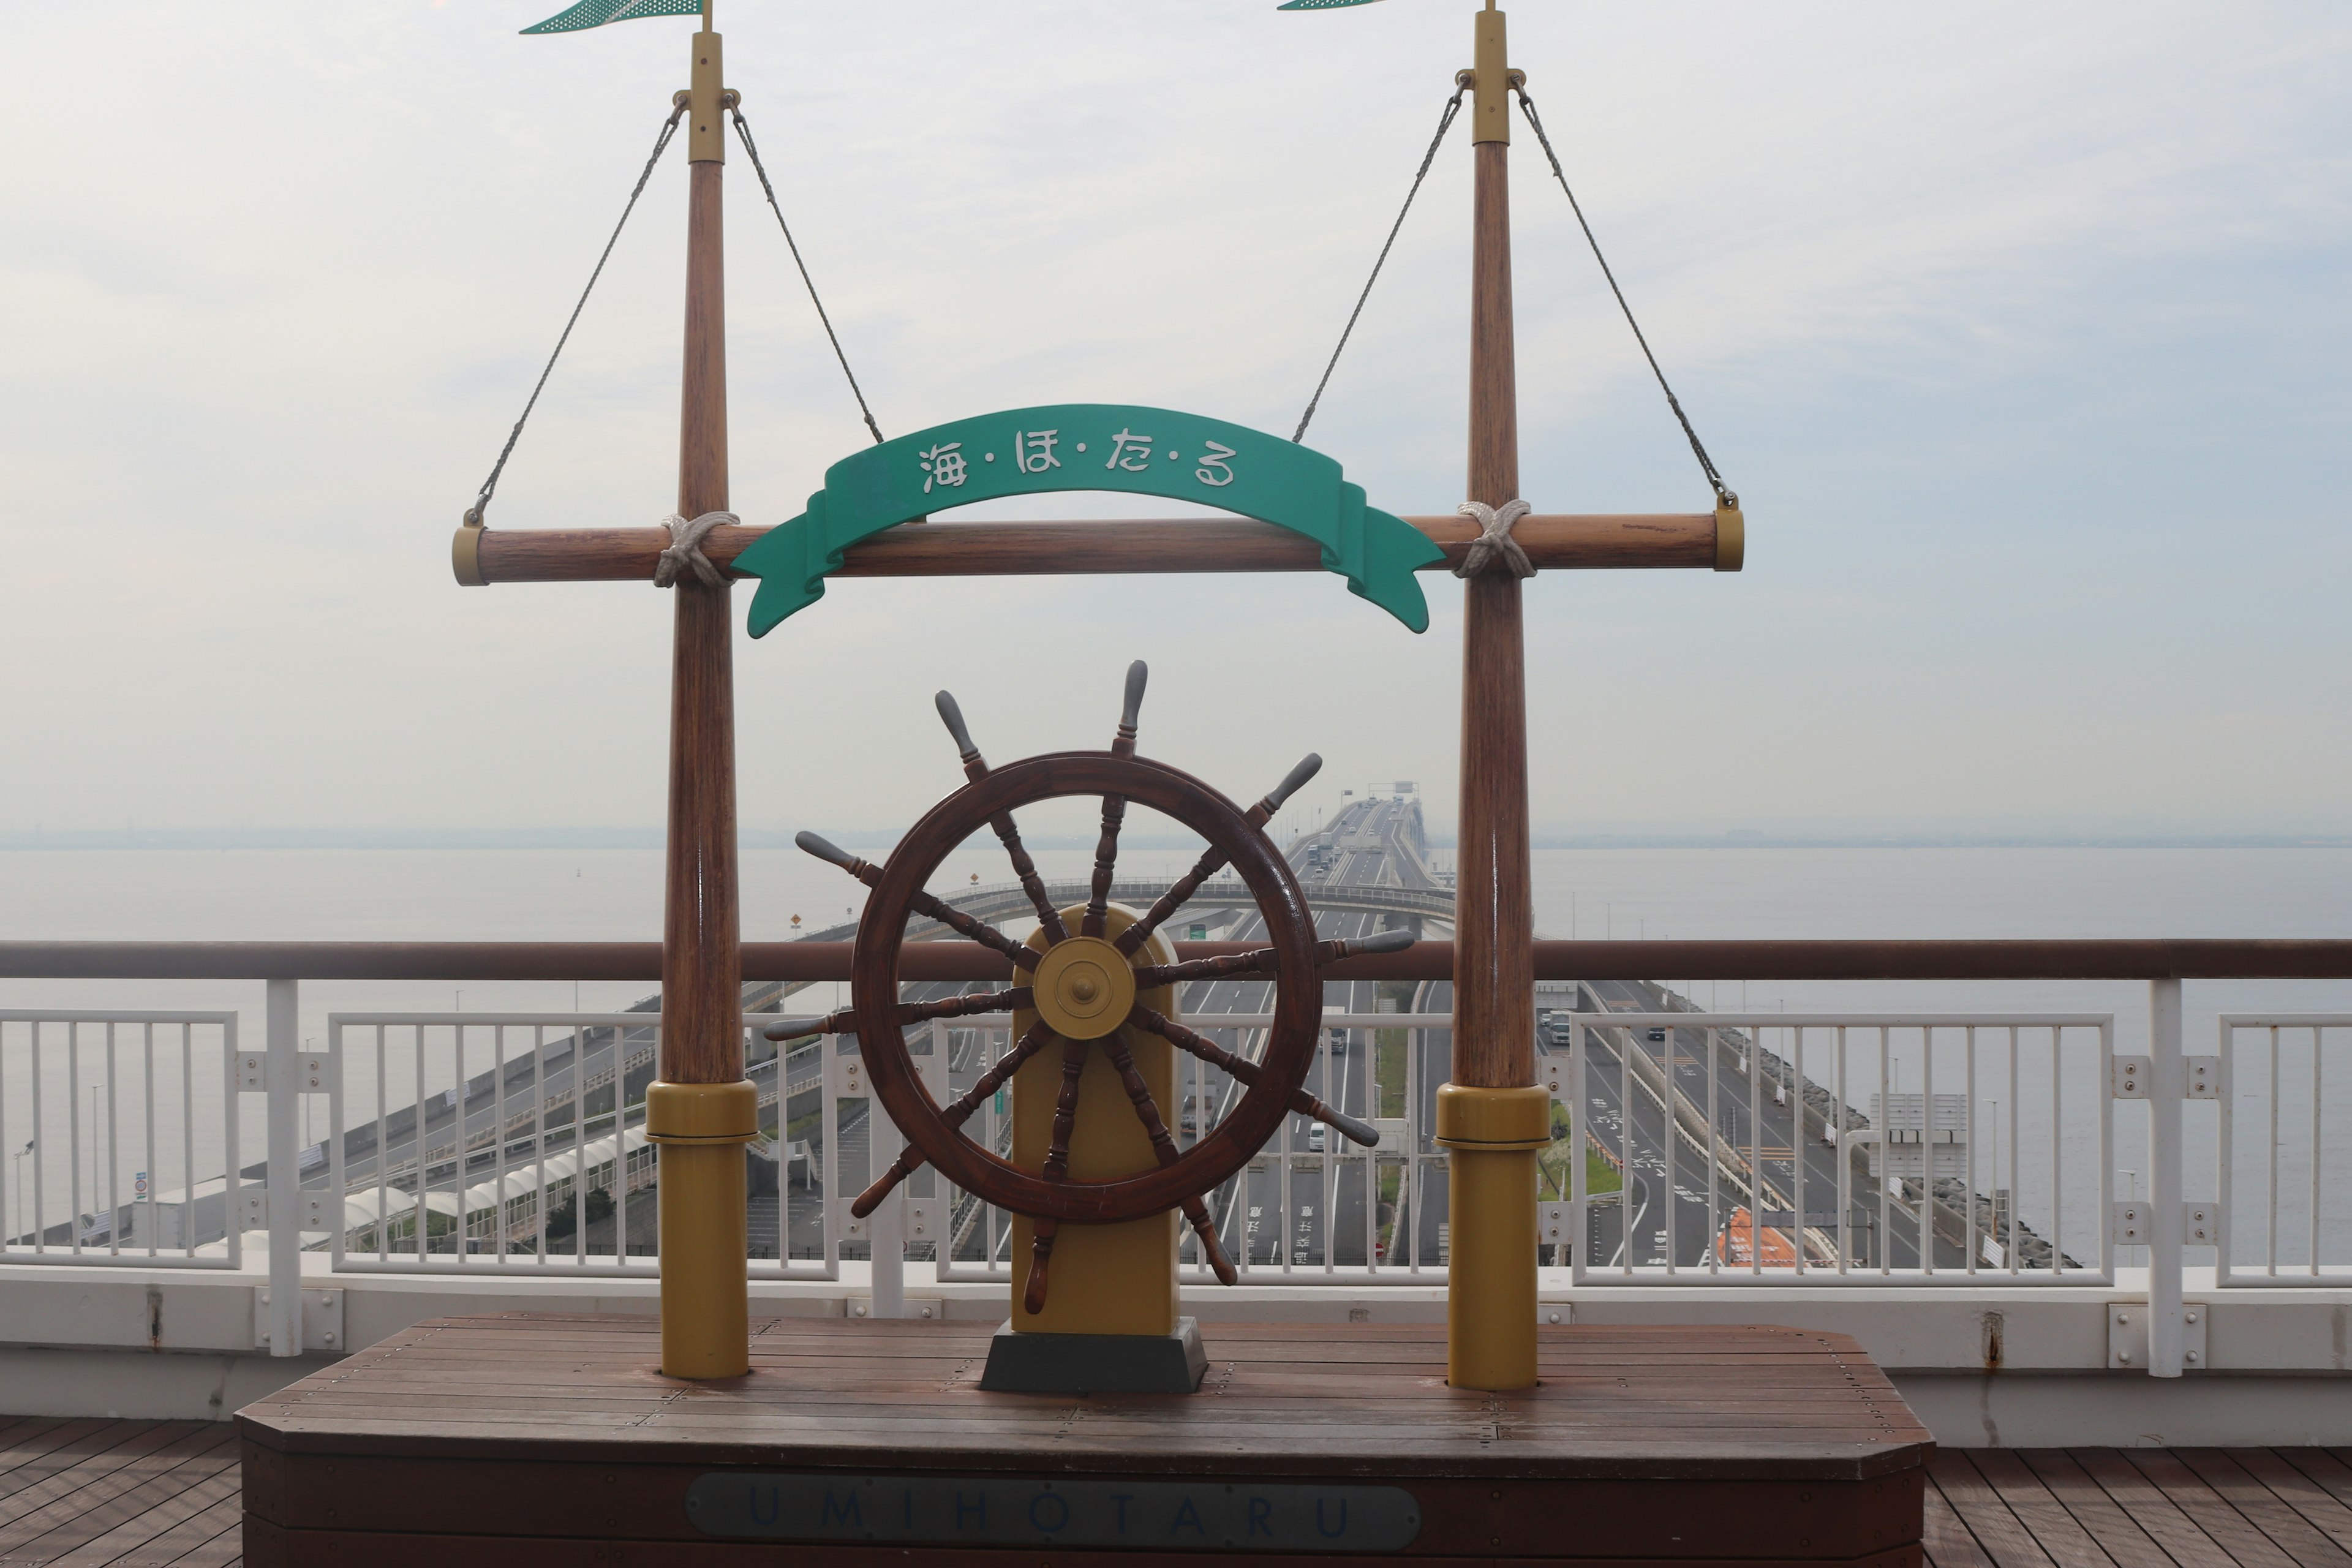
(701, 1129)
(1104, 1278)
(1491, 1137)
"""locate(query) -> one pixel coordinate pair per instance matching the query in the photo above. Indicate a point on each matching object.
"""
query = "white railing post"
(2166, 1089)
(281, 1070)
(885, 1230)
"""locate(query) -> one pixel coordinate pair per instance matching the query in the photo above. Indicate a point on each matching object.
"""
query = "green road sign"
(1091, 447)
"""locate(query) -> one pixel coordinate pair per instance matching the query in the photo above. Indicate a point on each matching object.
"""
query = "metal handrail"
(2163, 958)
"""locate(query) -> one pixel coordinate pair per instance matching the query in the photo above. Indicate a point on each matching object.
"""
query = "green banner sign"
(1091, 447)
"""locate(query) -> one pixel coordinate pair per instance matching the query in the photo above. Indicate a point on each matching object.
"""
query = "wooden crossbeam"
(1554, 541)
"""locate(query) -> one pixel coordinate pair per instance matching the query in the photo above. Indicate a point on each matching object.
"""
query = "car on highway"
(1658, 1037)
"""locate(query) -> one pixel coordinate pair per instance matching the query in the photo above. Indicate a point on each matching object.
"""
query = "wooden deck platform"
(507, 1440)
(147, 1494)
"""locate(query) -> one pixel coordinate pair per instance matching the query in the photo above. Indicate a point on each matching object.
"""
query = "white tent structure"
(503, 1209)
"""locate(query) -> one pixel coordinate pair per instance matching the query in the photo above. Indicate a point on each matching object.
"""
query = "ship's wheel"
(1089, 988)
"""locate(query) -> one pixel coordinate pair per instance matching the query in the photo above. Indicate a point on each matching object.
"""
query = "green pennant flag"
(596, 13)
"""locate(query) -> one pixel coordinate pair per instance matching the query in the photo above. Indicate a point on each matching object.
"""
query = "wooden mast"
(1490, 1117)
(701, 1111)
(702, 1040)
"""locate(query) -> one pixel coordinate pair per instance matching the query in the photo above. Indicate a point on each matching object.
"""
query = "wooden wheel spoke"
(980, 931)
(1041, 1253)
(1152, 976)
(995, 1077)
(1031, 884)
(1246, 1072)
(1139, 1094)
(975, 768)
(1114, 812)
(1136, 935)
(1259, 961)
(845, 1022)
(911, 1159)
(1065, 1110)
(1200, 1046)
(967, 1005)
(922, 904)
(1137, 674)
(1197, 1213)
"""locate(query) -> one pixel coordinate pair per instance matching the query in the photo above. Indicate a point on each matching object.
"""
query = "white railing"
(1956, 1182)
(510, 1177)
(1843, 1150)
(2276, 1093)
(115, 1113)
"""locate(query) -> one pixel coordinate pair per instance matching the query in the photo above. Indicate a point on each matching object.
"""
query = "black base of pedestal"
(1096, 1363)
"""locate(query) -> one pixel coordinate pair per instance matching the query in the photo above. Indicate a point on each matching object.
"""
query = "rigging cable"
(482, 502)
(744, 130)
(1705, 463)
(1445, 123)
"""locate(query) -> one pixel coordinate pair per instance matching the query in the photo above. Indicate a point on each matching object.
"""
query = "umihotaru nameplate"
(1113, 447)
(1207, 1515)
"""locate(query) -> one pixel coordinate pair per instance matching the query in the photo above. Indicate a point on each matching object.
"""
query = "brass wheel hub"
(1084, 988)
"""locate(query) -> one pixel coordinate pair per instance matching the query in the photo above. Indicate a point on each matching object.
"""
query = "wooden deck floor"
(2140, 1508)
(163, 1494)
(134, 1494)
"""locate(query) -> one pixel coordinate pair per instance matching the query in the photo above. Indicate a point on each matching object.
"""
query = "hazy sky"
(2021, 329)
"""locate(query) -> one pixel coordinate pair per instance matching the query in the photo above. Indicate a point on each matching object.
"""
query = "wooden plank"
(2055, 1531)
(2322, 1470)
(2182, 1539)
(1997, 1531)
(80, 1436)
(121, 1497)
(1945, 1538)
(225, 1549)
(2117, 1535)
(149, 1526)
(1796, 1412)
(2296, 1535)
(360, 1550)
(192, 1535)
(76, 1466)
(1760, 1401)
(2199, 1502)
(15, 1429)
(2325, 1510)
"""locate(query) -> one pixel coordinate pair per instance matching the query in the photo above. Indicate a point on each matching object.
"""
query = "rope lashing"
(685, 550)
(1445, 123)
(474, 514)
(1495, 544)
(1706, 464)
